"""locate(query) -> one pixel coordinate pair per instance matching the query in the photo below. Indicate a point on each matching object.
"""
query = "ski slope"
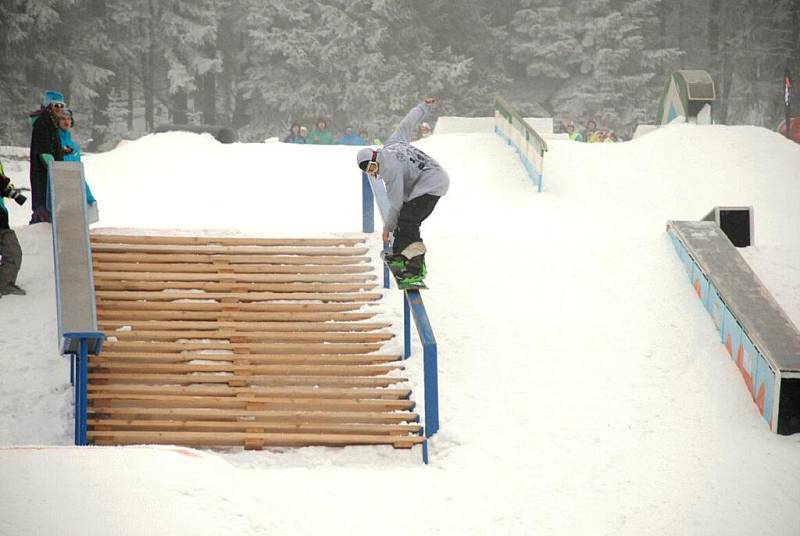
(583, 388)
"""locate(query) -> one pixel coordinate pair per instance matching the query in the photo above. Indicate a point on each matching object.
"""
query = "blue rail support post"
(429, 358)
(367, 205)
(406, 327)
(79, 345)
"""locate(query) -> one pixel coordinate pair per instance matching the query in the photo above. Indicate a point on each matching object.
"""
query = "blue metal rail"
(86, 343)
(412, 306)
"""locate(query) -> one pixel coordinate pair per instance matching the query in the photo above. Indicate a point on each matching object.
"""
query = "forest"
(127, 66)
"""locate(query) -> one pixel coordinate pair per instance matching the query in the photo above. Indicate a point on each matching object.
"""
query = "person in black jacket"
(10, 252)
(45, 148)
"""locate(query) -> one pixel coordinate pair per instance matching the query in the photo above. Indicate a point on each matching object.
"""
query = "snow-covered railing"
(530, 147)
(374, 191)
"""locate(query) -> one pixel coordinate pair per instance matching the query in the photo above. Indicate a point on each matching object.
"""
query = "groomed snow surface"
(583, 388)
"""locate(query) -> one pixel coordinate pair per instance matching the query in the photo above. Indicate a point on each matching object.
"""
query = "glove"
(20, 199)
(47, 158)
(4, 182)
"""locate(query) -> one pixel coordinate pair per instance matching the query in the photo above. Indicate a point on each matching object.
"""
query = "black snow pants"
(412, 214)
(10, 257)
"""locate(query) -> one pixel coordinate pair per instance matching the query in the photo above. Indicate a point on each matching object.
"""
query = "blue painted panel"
(731, 332)
(694, 272)
(675, 242)
(530, 169)
(714, 307)
(746, 361)
(704, 290)
(688, 263)
(699, 284)
(764, 388)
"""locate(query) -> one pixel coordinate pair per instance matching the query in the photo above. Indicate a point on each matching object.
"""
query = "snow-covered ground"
(583, 389)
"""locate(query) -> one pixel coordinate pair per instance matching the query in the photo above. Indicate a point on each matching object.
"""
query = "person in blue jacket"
(351, 138)
(72, 151)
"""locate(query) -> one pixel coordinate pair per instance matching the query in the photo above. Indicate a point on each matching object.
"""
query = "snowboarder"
(414, 183)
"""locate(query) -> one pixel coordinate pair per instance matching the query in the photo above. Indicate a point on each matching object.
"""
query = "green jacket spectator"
(573, 134)
(321, 135)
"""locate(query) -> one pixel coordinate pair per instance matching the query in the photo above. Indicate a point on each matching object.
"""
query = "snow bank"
(583, 388)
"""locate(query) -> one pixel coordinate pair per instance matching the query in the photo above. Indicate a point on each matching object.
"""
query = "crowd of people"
(51, 141)
(590, 134)
(321, 134)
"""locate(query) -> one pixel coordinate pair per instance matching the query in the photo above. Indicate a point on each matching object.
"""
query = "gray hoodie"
(407, 171)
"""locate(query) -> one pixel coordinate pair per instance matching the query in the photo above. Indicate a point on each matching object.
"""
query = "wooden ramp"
(219, 342)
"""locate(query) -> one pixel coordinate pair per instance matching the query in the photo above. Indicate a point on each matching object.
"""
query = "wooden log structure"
(248, 342)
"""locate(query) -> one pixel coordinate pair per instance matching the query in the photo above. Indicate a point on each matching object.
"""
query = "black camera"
(16, 195)
(13, 193)
(7, 189)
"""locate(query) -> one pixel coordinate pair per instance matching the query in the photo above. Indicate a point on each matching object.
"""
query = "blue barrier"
(515, 131)
(412, 305)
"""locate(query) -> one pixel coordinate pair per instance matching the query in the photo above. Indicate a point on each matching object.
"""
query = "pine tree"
(760, 44)
(363, 63)
(621, 73)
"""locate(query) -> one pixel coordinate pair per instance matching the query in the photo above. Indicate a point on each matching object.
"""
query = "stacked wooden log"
(215, 341)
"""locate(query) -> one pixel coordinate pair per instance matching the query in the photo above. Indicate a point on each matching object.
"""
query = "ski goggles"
(372, 165)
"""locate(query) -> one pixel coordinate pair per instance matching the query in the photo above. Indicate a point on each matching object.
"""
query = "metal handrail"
(374, 191)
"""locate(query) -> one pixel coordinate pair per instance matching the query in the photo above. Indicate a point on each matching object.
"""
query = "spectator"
(611, 137)
(321, 135)
(590, 134)
(351, 138)
(574, 135)
(304, 134)
(381, 137)
(72, 152)
(10, 252)
(294, 135)
(45, 148)
(364, 134)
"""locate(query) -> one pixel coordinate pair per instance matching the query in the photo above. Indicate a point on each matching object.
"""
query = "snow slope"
(583, 389)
